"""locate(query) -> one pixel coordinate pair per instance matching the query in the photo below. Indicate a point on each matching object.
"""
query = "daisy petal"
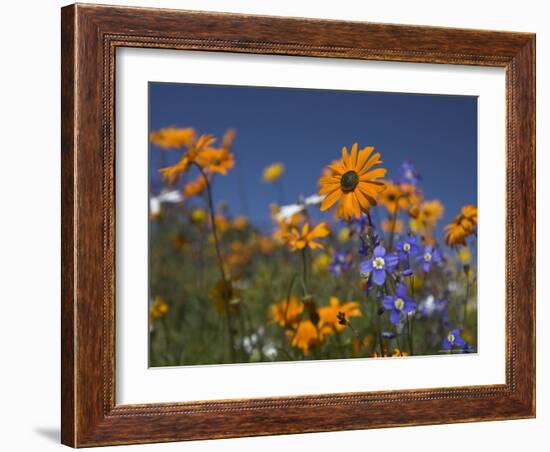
(363, 156)
(355, 205)
(345, 158)
(363, 200)
(330, 199)
(377, 173)
(353, 155)
(329, 180)
(375, 158)
(327, 188)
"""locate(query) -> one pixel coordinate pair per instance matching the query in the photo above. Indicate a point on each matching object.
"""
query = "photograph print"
(294, 224)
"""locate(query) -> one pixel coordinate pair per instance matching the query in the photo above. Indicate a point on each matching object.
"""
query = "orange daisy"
(299, 240)
(329, 314)
(398, 197)
(307, 335)
(172, 137)
(287, 314)
(462, 226)
(173, 173)
(194, 187)
(216, 160)
(353, 182)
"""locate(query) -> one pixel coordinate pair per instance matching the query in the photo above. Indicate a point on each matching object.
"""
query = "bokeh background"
(307, 128)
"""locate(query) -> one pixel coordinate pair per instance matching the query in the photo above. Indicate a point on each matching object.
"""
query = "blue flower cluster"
(388, 271)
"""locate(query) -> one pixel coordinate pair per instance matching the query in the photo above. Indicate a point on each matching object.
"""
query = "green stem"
(466, 300)
(230, 333)
(304, 271)
(393, 222)
(409, 330)
(288, 293)
(378, 328)
(280, 192)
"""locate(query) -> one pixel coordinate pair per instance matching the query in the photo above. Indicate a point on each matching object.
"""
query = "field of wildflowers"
(355, 270)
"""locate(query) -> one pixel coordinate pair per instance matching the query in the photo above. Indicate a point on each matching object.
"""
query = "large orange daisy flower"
(353, 182)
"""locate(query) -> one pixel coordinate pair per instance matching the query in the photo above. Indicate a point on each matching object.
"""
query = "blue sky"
(306, 129)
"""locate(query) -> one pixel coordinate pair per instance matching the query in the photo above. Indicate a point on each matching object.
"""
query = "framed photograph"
(281, 225)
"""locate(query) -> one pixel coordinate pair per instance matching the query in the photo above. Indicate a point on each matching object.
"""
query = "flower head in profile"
(194, 187)
(428, 257)
(390, 198)
(286, 313)
(198, 216)
(353, 182)
(397, 198)
(273, 172)
(453, 339)
(380, 264)
(427, 216)
(240, 223)
(321, 263)
(159, 308)
(463, 225)
(407, 248)
(173, 173)
(341, 261)
(307, 335)
(464, 255)
(329, 315)
(408, 174)
(298, 240)
(399, 305)
(285, 225)
(173, 137)
(225, 292)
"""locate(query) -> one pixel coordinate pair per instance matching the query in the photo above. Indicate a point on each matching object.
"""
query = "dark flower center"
(349, 181)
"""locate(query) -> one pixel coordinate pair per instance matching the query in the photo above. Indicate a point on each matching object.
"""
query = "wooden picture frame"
(90, 36)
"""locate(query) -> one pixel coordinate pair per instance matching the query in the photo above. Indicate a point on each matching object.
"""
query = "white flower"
(287, 212)
(269, 351)
(155, 202)
(313, 200)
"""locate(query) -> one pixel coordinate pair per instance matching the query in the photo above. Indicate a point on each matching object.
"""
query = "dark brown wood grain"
(90, 36)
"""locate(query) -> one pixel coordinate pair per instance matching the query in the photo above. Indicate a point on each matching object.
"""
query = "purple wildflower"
(399, 304)
(429, 256)
(380, 264)
(453, 339)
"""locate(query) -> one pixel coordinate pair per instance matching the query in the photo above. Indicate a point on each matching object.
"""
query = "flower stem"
(378, 327)
(466, 300)
(410, 334)
(304, 271)
(393, 222)
(225, 288)
(411, 326)
(288, 294)
(280, 192)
